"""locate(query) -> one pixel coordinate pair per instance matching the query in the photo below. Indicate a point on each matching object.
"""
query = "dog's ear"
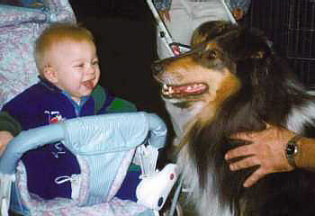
(261, 45)
(210, 30)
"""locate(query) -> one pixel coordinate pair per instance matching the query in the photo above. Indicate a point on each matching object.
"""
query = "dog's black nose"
(157, 67)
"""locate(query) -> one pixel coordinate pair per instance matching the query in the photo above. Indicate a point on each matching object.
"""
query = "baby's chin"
(79, 96)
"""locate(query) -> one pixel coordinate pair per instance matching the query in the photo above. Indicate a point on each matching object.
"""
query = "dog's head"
(226, 60)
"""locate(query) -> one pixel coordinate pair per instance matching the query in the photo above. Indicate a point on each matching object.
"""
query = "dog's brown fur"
(232, 81)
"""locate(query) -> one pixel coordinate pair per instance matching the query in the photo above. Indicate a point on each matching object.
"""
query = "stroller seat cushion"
(113, 206)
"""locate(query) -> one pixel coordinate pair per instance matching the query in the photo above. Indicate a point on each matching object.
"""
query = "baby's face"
(75, 66)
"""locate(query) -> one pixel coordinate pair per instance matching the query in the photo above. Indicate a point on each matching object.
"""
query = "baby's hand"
(238, 14)
(5, 138)
(165, 15)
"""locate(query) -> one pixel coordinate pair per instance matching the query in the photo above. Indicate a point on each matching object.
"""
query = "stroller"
(173, 37)
(104, 145)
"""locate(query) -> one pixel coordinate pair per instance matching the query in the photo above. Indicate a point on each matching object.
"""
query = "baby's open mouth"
(178, 91)
(88, 84)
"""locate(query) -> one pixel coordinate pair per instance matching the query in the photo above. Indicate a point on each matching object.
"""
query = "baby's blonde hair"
(55, 33)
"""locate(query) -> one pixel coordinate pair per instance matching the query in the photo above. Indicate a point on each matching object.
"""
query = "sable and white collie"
(232, 81)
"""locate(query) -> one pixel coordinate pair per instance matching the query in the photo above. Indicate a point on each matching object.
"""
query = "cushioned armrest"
(113, 132)
(28, 140)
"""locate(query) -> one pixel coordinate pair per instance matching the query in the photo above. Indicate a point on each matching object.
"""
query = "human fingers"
(238, 13)
(244, 163)
(254, 178)
(167, 15)
(5, 138)
(241, 151)
(246, 136)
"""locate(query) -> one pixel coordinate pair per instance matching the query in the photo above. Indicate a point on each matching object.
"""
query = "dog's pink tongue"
(189, 89)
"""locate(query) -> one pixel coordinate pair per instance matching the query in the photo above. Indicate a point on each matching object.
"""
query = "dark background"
(290, 25)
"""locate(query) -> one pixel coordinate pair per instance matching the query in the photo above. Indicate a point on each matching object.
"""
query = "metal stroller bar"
(164, 33)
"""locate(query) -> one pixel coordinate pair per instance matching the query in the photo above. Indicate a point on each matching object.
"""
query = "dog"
(233, 81)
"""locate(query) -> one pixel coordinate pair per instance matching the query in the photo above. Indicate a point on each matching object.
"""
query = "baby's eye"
(95, 62)
(79, 65)
(212, 55)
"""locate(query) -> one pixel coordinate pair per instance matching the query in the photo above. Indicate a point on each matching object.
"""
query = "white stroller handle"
(89, 135)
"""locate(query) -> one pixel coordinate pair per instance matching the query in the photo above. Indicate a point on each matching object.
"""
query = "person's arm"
(9, 128)
(268, 150)
(5, 138)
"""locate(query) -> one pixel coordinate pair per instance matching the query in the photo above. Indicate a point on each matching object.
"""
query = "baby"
(69, 72)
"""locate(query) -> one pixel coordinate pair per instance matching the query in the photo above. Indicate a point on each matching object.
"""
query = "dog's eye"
(212, 55)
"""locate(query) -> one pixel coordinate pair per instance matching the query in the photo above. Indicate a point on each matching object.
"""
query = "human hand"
(5, 138)
(165, 15)
(238, 13)
(267, 149)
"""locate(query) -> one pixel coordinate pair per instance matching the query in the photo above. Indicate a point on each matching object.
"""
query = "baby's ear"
(50, 74)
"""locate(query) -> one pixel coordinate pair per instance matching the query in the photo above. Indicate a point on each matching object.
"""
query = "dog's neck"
(183, 118)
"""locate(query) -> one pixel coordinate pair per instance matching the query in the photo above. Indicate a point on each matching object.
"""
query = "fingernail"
(226, 157)
(247, 184)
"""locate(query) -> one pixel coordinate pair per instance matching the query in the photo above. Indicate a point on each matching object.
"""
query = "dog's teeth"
(165, 86)
(170, 89)
(167, 90)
